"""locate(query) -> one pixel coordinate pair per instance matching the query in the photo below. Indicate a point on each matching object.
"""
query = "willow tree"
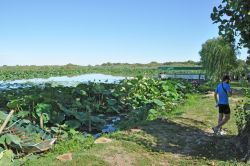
(218, 57)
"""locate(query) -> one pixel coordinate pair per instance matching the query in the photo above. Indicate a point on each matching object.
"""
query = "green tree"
(217, 57)
(248, 60)
(233, 17)
(241, 69)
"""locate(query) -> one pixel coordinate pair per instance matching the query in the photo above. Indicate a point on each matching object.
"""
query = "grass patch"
(181, 139)
(76, 143)
(141, 138)
(88, 160)
(182, 108)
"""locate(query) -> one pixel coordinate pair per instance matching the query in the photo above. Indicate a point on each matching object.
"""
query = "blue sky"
(46, 32)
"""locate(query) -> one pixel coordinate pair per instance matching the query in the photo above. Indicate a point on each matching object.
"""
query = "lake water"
(65, 81)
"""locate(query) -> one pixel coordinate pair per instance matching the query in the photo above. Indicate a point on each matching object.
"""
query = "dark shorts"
(224, 109)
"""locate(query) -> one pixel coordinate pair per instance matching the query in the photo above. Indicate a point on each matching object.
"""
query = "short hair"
(225, 77)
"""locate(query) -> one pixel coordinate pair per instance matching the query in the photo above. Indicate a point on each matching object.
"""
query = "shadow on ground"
(181, 138)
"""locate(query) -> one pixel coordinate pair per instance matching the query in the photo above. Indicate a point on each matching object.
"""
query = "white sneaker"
(222, 132)
(216, 130)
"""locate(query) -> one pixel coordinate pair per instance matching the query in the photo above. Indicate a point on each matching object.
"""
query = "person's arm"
(216, 97)
(229, 91)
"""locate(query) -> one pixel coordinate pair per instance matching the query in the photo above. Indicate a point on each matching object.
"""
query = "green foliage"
(241, 115)
(8, 139)
(43, 110)
(218, 57)
(243, 111)
(149, 98)
(68, 111)
(3, 116)
(233, 18)
(6, 158)
(20, 130)
(76, 142)
(205, 88)
(248, 60)
(77, 107)
(241, 69)
(119, 69)
(73, 124)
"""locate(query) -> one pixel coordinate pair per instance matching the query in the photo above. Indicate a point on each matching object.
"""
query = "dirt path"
(188, 137)
(183, 139)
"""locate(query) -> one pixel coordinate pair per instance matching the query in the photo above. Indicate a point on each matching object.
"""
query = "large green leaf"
(55, 129)
(158, 102)
(67, 112)
(13, 139)
(13, 104)
(2, 140)
(73, 124)
(152, 114)
(10, 138)
(43, 108)
(96, 119)
(2, 116)
(112, 102)
(57, 117)
(7, 157)
(22, 114)
(180, 86)
(97, 122)
(81, 116)
(82, 93)
(46, 117)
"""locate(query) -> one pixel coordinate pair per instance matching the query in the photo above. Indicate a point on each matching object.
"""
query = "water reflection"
(65, 81)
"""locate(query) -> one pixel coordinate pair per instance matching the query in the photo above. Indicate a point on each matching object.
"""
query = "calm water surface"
(65, 81)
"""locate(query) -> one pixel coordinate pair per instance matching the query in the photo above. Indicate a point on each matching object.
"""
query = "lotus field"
(57, 110)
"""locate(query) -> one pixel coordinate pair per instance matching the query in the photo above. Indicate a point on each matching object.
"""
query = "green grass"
(88, 160)
(182, 108)
(185, 138)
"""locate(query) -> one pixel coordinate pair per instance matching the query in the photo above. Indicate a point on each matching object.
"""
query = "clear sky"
(43, 32)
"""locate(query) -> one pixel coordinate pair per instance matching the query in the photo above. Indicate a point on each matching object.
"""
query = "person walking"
(222, 92)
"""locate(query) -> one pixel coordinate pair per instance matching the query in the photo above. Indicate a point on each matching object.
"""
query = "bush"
(241, 114)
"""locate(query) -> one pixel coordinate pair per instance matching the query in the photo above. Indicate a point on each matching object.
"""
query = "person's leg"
(224, 121)
(226, 111)
(224, 116)
(220, 118)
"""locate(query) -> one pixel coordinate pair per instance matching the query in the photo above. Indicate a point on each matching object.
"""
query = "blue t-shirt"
(223, 97)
